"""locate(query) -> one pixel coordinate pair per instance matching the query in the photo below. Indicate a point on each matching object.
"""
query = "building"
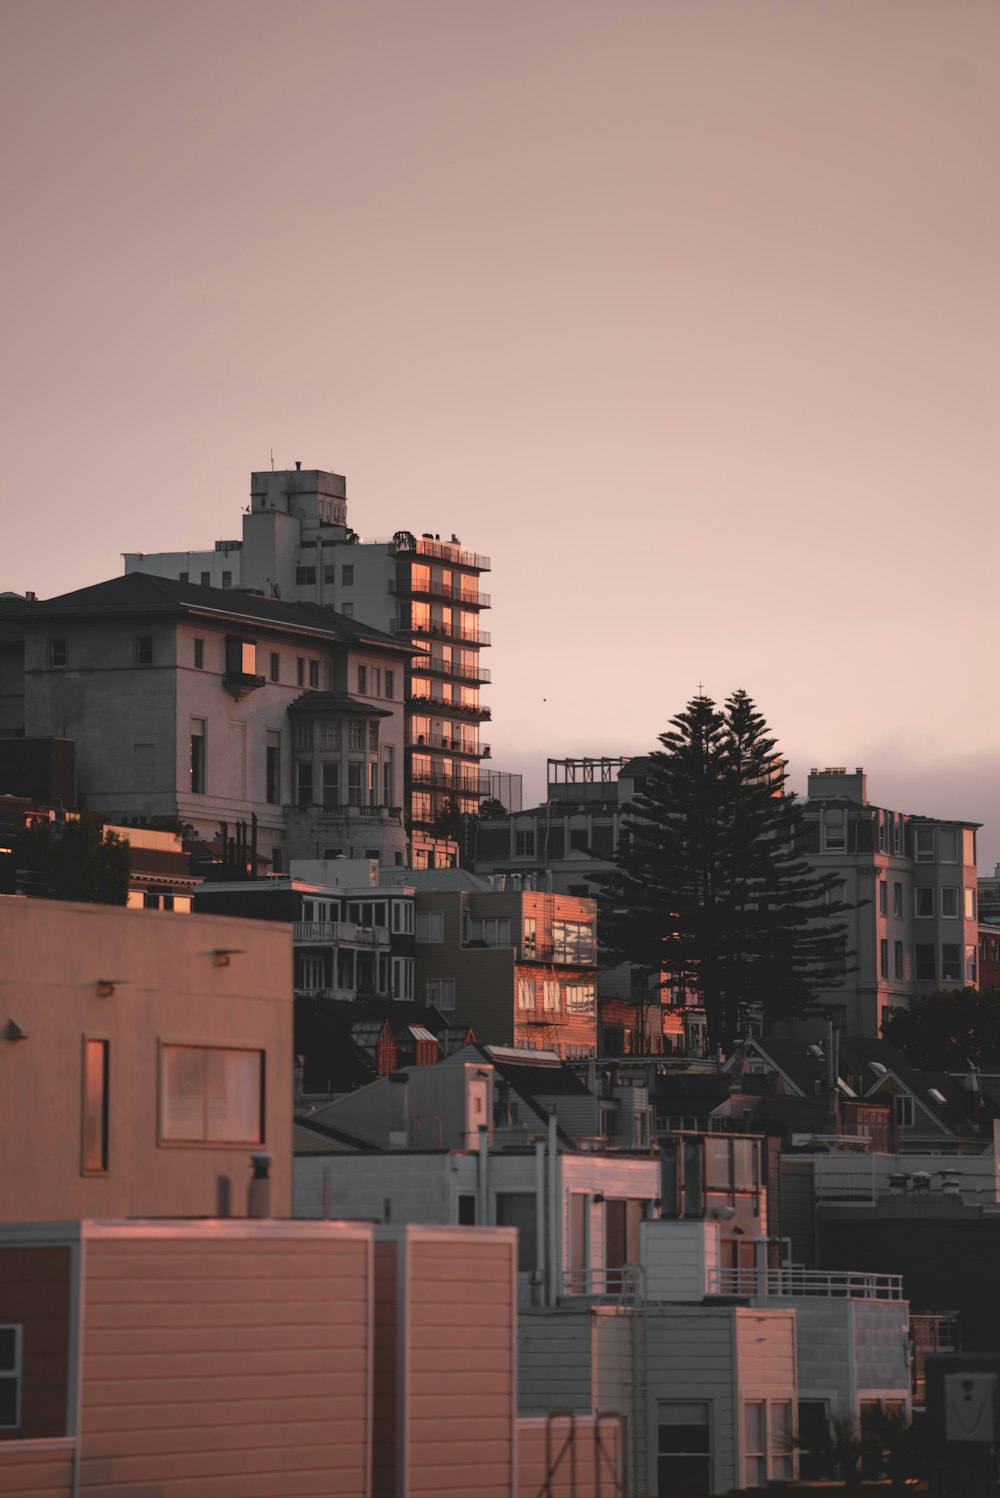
(145, 1059)
(911, 884)
(519, 966)
(204, 707)
(297, 544)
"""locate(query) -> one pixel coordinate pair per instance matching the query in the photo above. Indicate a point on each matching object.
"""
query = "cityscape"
(460, 1033)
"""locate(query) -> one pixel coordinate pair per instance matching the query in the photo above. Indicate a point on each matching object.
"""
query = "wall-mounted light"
(13, 1031)
(221, 955)
(106, 986)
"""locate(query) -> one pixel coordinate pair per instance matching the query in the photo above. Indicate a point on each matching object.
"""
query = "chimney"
(259, 1193)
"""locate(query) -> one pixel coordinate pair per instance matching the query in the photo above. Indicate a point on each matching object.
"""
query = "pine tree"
(710, 892)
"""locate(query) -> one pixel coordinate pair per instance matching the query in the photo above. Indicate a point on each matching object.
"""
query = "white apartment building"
(296, 544)
(913, 883)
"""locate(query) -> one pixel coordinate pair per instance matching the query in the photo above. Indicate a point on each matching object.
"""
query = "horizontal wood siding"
(675, 1256)
(554, 1361)
(690, 1356)
(460, 1363)
(236, 1367)
(766, 1346)
(36, 1469)
(595, 1458)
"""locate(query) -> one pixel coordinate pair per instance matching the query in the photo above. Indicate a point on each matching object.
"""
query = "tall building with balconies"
(297, 545)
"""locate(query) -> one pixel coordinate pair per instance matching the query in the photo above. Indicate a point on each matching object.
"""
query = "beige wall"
(167, 990)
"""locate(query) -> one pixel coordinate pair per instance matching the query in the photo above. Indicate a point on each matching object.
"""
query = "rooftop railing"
(792, 1281)
(346, 933)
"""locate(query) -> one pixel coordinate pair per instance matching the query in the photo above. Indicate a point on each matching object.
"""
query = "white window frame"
(923, 894)
(550, 996)
(430, 927)
(15, 1372)
(949, 896)
(923, 845)
(904, 1110)
(835, 831)
(441, 993)
(526, 994)
(167, 1131)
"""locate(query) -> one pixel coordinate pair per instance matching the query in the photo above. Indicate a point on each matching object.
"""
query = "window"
(303, 783)
(198, 763)
(923, 903)
(241, 656)
(314, 674)
(883, 958)
(970, 965)
(95, 1107)
(683, 1450)
(516, 1209)
(390, 683)
(581, 998)
(362, 681)
(754, 1443)
(347, 609)
(272, 775)
(227, 579)
(300, 671)
(525, 993)
(524, 844)
(897, 834)
(882, 833)
(550, 996)
(329, 734)
(430, 925)
(331, 784)
(356, 733)
(302, 733)
(530, 942)
(573, 942)
(814, 1438)
(951, 962)
(904, 1109)
(211, 1095)
(897, 960)
(10, 1377)
(355, 789)
(58, 654)
(206, 579)
(970, 903)
(329, 574)
(949, 903)
(489, 931)
(925, 964)
(182, 577)
(199, 655)
(441, 992)
(897, 901)
(304, 576)
(781, 1440)
(923, 844)
(883, 897)
(834, 831)
(948, 844)
(347, 575)
(275, 665)
(373, 734)
(376, 681)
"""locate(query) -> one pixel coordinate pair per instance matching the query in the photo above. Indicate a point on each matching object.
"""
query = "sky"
(684, 311)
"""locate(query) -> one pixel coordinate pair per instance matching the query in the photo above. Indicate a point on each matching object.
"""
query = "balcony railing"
(445, 632)
(442, 551)
(387, 815)
(791, 1281)
(444, 741)
(460, 785)
(470, 598)
(461, 671)
(341, 933)
(429, 703)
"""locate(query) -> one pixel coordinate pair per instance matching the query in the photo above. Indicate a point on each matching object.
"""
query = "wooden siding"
(460, 1362)
(37, 1469)
(554, 1361)
(677, 1257)
(596, 1460)
(236, 1363)
(765, 1343)
(35, 1294)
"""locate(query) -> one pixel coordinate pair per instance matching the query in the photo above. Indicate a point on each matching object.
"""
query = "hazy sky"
(686, 312)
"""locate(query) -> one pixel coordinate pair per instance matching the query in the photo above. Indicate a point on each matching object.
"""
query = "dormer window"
(241, 666)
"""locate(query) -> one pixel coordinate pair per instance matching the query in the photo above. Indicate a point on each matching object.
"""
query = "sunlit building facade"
(297, 545)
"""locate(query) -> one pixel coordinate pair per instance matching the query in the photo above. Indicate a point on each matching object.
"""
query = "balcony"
(792, 1281)
(238, 683)
(469, 598)
(339, 933)
(459, 785)
(442, 551)
(426, 702)
(471, 671)
(390, 816)
(450, 745)
(445, 632)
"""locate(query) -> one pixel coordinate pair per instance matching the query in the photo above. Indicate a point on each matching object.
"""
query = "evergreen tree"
(711, 895)
(78, 860)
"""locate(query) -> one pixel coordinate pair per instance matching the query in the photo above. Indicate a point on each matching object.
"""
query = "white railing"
(344, 933)
(791, 1281)
(625, 1283)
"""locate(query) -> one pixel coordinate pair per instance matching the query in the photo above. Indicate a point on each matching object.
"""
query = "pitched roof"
(144, 594)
